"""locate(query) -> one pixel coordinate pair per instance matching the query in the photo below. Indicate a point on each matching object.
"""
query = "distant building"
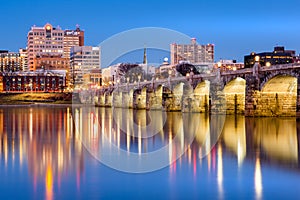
(165, 67)
(94, 77)
(72, 38)
(37, 81)
(278, 56)
(297, 59)
(82, 60)
(23, 55)
(194, 53)
(227, 65)
(11, 61)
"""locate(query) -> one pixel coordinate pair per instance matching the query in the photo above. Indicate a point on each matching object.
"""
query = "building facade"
(193, 53)
(51, 62)
(45, 40)
(72, 38)
(228, 65)
(278, 56)
(82, 60)
(23, 55)
(11, 62)
(94, 77)
(37, 81)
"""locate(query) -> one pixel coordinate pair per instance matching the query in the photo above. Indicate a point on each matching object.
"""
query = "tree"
(131, 71)
(184, 68)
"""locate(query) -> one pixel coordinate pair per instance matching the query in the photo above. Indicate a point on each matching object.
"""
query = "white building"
(82, 60)
(110, 72)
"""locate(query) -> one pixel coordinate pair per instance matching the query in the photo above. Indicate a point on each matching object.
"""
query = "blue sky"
(236, 27)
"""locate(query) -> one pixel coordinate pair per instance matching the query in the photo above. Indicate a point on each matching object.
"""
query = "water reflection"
(43, 140)
(46, 141)
(258, 179)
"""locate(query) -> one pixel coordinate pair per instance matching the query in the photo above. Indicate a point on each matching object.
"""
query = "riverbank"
(36, 98)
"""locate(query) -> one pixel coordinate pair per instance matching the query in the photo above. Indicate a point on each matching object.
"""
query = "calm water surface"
(49, 153)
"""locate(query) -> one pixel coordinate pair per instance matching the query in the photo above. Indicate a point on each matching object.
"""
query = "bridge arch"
(140, 98)
(269, 76)
(278, 96)
(197, 100)
(235, 91)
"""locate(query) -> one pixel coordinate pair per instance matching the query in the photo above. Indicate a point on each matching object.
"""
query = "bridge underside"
(235, 96)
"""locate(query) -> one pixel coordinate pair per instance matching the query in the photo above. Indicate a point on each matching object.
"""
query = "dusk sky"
(235, 27)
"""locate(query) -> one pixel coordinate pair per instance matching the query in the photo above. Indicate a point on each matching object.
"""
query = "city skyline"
(236, 28)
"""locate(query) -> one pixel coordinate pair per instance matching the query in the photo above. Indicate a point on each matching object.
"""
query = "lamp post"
(127, 82)
(139, 79)
(118, 81)
(256, 65)
(169, 78)
(187, 76)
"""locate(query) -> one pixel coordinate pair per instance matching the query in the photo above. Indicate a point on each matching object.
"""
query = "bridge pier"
(217, 98)
(251, 101)
(140, 99)
(173, 100)
(155, 98)
(298, 97)
(108, 99)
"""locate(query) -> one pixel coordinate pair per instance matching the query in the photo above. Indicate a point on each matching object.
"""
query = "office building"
(72, 38)
(10, 61)
(278, 56)
(192, 53)
(23, 55)
(82, 60)
(46, 40)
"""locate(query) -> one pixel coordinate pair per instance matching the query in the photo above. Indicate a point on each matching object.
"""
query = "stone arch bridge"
(257, 91)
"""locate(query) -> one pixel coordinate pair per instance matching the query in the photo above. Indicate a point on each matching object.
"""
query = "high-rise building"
(45, 40)
(72, 38)
(82, 60)
(10, 62)
(193, 53)
(23, 55)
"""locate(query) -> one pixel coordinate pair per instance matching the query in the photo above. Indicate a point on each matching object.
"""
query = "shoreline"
(36, 99)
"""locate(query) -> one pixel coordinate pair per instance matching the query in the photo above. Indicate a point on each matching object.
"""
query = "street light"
(256, 58)
(139, 79)
(169, 78)
(127, 82)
